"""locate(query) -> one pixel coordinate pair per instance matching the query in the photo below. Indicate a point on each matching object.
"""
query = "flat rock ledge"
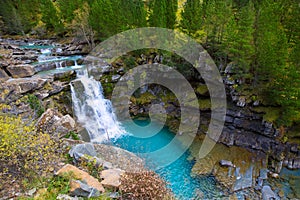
(120, 158)
(108, 156)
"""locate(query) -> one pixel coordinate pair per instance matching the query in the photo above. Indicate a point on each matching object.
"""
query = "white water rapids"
(93, 111)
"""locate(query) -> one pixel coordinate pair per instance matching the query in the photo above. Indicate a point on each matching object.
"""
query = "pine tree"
(158, 15)
(191, 15)
(109, 17)
(10, 17)
(50, 16)
(239, 39)
(171, 10)
(67, 8)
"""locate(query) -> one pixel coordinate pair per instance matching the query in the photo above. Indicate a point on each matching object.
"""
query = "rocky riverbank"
(251, 150)
(251, 147)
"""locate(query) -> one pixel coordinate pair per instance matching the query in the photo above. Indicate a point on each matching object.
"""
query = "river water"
(178, 174)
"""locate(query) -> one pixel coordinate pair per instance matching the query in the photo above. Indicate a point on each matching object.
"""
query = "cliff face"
(248, 122)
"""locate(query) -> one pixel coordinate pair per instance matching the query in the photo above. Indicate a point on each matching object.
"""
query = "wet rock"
(226, 163)
(229, 68)
(241, 102)
(268, 130)
(268, 193)
(44, 67)
(294, 148)
(296, 163)
(106, 69)
(31, 57)
(82, 149)
(111, 178)
(79, 188)
(249, 125)
(20, 71)
(263, 174)
(121, 71)
(69, 63)
(245, 181)
(278, 166)
(65, 76)
(227, 137)
(87, 185)
(229, 119)
(115, 78)
(256, 103)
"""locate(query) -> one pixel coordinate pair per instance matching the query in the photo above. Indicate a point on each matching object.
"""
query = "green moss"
(106, 78)
(145, 98)
(108, 89)
(271, 114)
(204, 104)
(202, 89)
(36, 105)
(168, 97)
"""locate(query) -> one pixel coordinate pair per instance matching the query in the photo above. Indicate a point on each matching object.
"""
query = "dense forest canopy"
(260, 38)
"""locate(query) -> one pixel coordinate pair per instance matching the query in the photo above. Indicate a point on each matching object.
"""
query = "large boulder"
(3, 75)
(25, 85)
(111, 178)
(268, 193)
(244, 181)
(20, 71)
(53, 122)
(119, 158)
(83, 183)
(80, 150)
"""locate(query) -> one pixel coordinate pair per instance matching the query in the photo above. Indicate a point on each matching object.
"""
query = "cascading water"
(92, 110)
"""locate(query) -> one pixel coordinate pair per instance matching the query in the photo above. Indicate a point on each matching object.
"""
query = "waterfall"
(92, 110)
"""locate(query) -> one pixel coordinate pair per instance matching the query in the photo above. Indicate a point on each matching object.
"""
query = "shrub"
(25, 153)
(36, 105)
(143, 185)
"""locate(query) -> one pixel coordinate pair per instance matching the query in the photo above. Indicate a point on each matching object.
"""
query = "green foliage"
(89, 164)
(81, 27)
(163, 13)
(72, 135)
(67, 9)
(172, 7)
(36, 105)
(10, 17)
(109, 17)
(191, 15)
(29, 14)
(55, 186)
(60, 183)
(25, 153)
(239, 45)
(145, 98)
(50, 16)
(158, 16)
